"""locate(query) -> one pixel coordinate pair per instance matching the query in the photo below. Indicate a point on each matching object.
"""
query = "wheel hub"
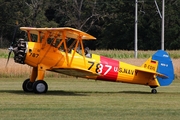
(40, 87)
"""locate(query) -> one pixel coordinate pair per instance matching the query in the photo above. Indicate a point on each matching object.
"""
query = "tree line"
(110, 21)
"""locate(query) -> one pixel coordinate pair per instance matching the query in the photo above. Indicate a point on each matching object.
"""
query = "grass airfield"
(79, 99)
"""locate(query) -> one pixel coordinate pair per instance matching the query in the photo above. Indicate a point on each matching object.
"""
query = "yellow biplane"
(61, 50)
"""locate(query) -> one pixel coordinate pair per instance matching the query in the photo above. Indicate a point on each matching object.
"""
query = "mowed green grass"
(79, 99)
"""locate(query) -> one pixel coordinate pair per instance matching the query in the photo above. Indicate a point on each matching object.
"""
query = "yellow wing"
(67, 31)
(78, 72)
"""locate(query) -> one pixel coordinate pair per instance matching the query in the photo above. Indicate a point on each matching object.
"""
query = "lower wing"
(77, 72)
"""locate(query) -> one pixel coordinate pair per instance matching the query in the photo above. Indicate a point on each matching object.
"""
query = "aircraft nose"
(20, 51)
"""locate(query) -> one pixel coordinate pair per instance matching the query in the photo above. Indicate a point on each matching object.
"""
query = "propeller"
(11, 46)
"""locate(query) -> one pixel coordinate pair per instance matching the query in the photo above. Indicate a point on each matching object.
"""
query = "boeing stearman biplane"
(61, 50)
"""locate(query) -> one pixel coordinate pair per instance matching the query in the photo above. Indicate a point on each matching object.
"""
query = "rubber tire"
(153, 91)
(27, 86)
(40, 87)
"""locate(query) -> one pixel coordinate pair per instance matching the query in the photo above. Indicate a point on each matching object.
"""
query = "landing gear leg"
(39, 86)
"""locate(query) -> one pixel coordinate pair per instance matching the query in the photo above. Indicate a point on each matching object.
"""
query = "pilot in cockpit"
(87, 53)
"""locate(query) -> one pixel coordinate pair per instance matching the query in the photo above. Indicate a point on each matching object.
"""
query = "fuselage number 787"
(34, 55)
(100, 67)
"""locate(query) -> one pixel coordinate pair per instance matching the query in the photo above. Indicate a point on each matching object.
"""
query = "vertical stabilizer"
(164, 67)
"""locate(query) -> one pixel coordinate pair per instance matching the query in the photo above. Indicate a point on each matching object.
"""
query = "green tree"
(172, 25)
(149, 27)
(80, 14)
(118, 29)
(111, 22)
(36, 15)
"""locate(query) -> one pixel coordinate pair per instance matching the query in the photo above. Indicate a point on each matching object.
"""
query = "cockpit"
(64, 44)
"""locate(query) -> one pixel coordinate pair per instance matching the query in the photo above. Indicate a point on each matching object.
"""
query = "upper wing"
(152, 72)
(67, 31)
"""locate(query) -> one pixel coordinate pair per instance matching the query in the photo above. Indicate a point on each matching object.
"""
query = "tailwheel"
(40, 86)
(27, 85)
(154, 91)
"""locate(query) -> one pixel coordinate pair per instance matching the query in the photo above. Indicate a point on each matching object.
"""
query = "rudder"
(165, 67)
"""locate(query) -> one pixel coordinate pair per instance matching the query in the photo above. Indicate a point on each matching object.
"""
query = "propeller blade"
(8, 57)
(10, 50)
(12, 45)
(14, 34)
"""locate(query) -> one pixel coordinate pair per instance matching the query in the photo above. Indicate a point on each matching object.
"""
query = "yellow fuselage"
(73, 63)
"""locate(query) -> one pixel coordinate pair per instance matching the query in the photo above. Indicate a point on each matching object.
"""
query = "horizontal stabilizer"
(152, 72)
(162, 76)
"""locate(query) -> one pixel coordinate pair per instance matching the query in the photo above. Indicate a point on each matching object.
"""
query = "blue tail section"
(165, 67)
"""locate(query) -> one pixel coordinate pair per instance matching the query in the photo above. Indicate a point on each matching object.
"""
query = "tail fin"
(161, 63)
(165, 67)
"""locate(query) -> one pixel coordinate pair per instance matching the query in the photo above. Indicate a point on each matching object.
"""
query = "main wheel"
(154, 91)
(40, 86)
(27, 85)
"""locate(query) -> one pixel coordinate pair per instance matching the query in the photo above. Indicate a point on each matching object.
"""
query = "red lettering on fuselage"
(109, 69)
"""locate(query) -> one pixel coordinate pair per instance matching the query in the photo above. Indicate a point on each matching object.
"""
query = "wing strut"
(65, 47)
(78, 41)
(82, 47)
